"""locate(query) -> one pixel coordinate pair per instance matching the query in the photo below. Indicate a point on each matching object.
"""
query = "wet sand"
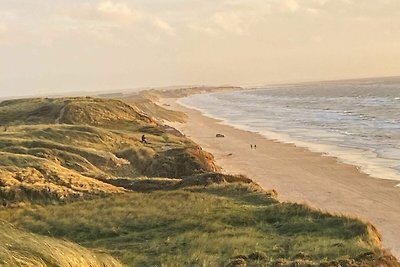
(298, 174)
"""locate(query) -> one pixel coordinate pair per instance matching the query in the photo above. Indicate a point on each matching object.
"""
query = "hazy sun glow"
(70, 45)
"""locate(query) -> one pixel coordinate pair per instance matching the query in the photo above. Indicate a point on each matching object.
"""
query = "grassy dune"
(82, 110)
(75, 169)
(146, 104)
(68, 148)
(203, 226)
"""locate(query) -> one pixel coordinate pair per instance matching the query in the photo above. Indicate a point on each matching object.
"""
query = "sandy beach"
(297, 174)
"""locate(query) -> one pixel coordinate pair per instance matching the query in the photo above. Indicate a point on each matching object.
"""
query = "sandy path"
(298, 174)
(62, 111)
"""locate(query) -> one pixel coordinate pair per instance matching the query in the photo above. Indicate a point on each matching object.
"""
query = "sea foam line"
(366, 161)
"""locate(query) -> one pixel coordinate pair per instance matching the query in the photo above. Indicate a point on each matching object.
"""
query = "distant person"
(251, 146)
(144, 139)
(255, 146)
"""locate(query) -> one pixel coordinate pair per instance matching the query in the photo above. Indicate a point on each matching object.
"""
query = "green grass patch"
(197, 227)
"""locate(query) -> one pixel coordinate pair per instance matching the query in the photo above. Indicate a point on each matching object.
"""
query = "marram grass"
(199, 226)
(18, 248)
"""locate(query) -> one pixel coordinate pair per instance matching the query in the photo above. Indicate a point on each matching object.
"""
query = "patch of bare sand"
(298, 174)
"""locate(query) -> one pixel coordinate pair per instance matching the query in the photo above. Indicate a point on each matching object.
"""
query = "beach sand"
(297, 174)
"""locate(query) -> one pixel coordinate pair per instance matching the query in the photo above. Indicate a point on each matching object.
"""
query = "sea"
(356, 121)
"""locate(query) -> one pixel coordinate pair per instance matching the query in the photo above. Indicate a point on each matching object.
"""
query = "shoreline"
(366, 159)
(297, 174)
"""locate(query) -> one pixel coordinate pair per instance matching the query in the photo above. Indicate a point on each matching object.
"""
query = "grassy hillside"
(68, 148)
(205, 226)
(76, 169)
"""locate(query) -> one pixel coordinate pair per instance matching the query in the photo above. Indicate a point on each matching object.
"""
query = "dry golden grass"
(22, 249)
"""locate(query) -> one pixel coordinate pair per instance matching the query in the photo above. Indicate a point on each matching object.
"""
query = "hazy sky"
(71, 45)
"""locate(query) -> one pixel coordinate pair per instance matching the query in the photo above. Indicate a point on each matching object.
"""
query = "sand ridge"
(298, 174)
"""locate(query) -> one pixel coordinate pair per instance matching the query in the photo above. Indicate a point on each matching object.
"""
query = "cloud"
(3, 28)
(313, 11)
(291, 5)
(8, 21)
(3, 33)
(162, 25)
(233, 17)
(8, 16)
(241, 17)
(106, 12)
(234, 22)
(322, 2)
(231, 22)
(117, 10)
(108, 19)
(310, 7)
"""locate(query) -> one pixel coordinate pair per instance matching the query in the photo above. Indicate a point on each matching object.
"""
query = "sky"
(58, 46)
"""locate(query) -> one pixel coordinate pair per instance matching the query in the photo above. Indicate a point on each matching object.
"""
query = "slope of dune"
(68, 148)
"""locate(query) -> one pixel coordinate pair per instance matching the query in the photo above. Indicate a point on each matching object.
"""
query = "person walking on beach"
(251, 146)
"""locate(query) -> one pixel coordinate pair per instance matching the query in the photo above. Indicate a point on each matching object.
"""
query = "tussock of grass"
(33, 179)
(18, 248)
(179, 162)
